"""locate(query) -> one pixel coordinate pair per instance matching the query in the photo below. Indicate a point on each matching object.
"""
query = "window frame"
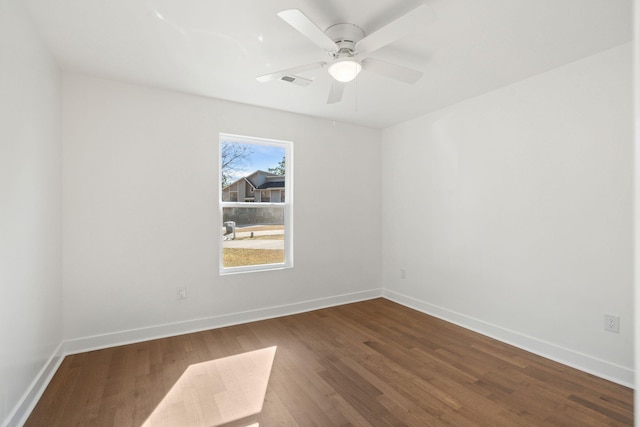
(287, 205)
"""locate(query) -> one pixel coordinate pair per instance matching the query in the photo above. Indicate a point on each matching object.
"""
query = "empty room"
(329, 213)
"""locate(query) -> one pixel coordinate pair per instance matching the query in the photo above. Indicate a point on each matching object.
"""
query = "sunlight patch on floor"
(217, 392)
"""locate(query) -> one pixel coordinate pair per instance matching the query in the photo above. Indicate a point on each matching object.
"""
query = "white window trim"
(287, 204)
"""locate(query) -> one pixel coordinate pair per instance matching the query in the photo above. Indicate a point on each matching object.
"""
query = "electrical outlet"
(403, 273)
(611, 323)
(182, 293)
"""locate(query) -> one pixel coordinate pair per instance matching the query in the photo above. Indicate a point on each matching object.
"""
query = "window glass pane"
(256, 218)
(253, 236)
(246, 167)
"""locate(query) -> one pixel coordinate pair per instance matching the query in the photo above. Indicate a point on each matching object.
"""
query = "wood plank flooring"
(373, 363)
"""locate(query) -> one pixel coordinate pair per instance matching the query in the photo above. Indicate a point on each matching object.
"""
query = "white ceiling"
(216, 48)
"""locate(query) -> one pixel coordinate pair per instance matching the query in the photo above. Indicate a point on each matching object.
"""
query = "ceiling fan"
(346, 44)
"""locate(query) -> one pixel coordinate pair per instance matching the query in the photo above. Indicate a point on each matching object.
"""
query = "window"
(257, 222)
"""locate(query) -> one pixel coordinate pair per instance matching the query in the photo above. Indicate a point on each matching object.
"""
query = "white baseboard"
(97, 342)
(603, 369)
(29, 399)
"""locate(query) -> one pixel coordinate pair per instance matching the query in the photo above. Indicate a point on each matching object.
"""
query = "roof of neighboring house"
(249, 177)
(271, 184)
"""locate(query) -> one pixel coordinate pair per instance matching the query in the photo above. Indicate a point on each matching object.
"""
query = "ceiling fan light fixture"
(345, 69)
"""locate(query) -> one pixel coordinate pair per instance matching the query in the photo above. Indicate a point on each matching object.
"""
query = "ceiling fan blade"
(279, 74)
(397, 72)
(308, 28)
(396, 29)
(335, 94)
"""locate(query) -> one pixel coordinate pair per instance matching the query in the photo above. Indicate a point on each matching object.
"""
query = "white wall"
(30, 211)
(636, 73)
(141, 218)
(511, 213)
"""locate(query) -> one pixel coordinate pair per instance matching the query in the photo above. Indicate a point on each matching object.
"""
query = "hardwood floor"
(373, 363)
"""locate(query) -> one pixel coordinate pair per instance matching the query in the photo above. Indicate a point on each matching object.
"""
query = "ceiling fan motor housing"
(345, 36)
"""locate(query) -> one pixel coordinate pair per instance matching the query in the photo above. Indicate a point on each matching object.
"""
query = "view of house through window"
(256, 216)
